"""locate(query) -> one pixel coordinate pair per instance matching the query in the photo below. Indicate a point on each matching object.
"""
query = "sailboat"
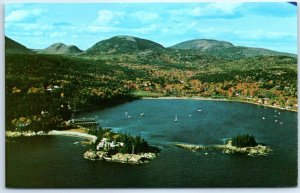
(176, 118)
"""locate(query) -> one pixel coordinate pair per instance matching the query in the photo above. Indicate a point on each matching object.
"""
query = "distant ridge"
(203, 45)
(60, 48)
(14, 47)
(123, 44)
(225, 49)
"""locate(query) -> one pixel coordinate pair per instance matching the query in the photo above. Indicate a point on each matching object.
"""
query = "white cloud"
(145, 30)
(17, 15)
(227, 7)
(96, 28)
(107, 16)
(262, 34)
(197, 11)
(145, 16)
(28, 27)
(246, 34)
(209, 9)
(178, 28)
(57, 34)
(20, 15)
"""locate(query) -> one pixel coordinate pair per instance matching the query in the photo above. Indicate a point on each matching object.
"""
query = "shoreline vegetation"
(215, 99)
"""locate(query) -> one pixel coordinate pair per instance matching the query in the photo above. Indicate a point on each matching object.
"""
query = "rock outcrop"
(191, 147)
(119, 157)
(94, 155)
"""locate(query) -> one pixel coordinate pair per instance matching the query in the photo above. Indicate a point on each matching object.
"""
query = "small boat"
(281, 123)
(126, 113)
(128, 116)
(263, 118)
(176, 118)
(190, 115)
(199, 110)
(276, 121)
(142, 114)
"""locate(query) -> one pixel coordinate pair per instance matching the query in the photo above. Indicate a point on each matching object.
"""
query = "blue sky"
(267, 25)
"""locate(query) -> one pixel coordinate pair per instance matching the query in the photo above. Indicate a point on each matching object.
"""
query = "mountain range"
(132, 45)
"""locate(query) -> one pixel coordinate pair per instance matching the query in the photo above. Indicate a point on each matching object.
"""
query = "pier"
(84, 122)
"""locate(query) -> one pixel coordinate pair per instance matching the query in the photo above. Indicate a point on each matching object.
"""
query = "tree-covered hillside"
(123, 44)
(12, 46)
(60, 48)
(226, 50)
(62, 84)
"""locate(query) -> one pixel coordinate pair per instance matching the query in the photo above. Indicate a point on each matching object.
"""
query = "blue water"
(57, 162)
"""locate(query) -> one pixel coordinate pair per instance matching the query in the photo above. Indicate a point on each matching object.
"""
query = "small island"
(120, 147)
(240, 144)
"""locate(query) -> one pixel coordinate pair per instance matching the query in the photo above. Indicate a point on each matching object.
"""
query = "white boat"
(263, 118)
(176, 118)
(142, 114)
(190, 115)
(199, 110)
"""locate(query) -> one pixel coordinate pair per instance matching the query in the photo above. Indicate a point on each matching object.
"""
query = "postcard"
(151, 95)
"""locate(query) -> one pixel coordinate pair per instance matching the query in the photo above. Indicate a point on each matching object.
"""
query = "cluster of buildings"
(106, 145)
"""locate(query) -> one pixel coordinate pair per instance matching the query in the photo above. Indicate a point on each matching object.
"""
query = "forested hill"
(202, 45)
(123, 44)
(224, 49)
(12, 46)
(60, 48)
(61, 84)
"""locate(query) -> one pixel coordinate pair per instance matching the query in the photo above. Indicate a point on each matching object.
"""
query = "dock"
(84, 121)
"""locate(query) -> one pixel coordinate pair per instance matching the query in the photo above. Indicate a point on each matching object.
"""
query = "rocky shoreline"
(228, 148)
(120, 157)
(29, 133)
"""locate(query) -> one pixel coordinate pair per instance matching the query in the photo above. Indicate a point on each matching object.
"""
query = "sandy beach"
(73, 134)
